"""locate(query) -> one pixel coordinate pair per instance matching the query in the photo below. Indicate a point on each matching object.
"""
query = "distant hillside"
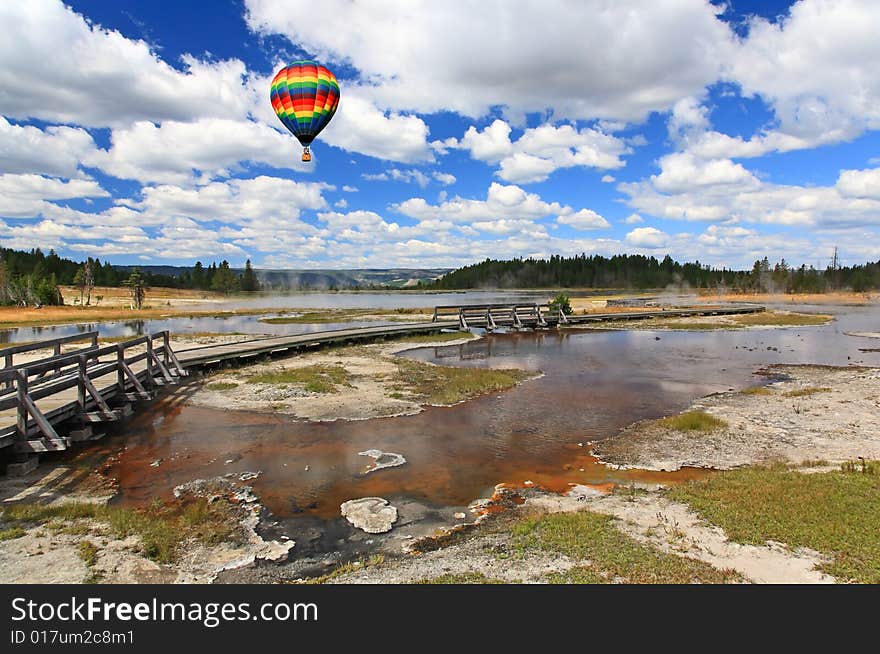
(347, 279)
(293, 280)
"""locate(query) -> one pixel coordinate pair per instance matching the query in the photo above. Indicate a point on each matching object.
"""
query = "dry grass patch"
(809, 390)
(221, 386)
(693, 421)
(318, 378)
(756, 390)
(781, 319)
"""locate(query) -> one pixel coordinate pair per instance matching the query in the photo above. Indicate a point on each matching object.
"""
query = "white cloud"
(585, 219)
(608, 179)
(508, 202)
(56, 151)
(817, 69)
(175, 153)
(57, 67)
(360, 126)
(681, 171)
(860, 183)
(633, 219)
(725, 200)
(25, 196)
(457, 56)
(542, 150)
(273, 202)
(647, 237)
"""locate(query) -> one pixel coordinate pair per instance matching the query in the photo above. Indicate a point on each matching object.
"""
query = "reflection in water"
(595, 383)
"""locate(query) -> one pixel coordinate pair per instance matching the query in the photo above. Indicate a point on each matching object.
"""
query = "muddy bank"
(810, 412)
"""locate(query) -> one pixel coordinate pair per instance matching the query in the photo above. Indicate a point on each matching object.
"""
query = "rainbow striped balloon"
(305, 96)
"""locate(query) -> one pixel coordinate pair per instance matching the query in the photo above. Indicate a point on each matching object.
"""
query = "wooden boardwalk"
(94, 385)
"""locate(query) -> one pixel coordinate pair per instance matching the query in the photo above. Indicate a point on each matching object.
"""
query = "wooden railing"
(491, 316)
(36, 380)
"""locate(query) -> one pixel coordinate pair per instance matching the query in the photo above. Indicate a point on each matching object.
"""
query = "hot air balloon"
(305, 96)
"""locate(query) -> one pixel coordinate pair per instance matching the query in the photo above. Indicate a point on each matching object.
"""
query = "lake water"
(594, 384)
(271, 303)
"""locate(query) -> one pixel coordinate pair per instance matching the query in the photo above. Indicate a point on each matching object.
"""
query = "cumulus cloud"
(360, 126)
(56, 66)
(274, 202)
(647, 237)
(592, 64)
(57, 151)
(508, 202)
(176, 153)
(585, 219)
(817, 69)
(860, 183)
(26, 195)
(683, 171)
(754, 201)
(542, 150)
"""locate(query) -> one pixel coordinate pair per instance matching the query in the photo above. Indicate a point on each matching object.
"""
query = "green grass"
(609, 556)
(447, 385)
(163, 528)
(692, 421)
(776, 318)
(221, 386)
(836, 513)
(810, 390)
(461, 578)
(756, 390)
(319, 378)
(11, 532)
(88, 552)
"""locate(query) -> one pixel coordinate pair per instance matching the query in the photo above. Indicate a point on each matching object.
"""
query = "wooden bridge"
(533, 316)
(91, 385)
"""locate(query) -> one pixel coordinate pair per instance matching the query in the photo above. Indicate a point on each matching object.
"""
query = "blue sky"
(141, 132)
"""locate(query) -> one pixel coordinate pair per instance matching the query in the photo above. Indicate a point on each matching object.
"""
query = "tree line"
(637, 271)
(33, 277)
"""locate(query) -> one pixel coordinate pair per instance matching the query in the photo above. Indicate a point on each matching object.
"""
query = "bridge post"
(541, 321)
(120, 369)
(151, 381)
(167, 348)
(434, 319)
(81, 384)
(21, 384)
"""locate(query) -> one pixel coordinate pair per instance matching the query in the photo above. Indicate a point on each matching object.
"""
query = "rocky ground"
(810, 412)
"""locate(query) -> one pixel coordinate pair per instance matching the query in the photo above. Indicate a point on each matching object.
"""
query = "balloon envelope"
(305, 95)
